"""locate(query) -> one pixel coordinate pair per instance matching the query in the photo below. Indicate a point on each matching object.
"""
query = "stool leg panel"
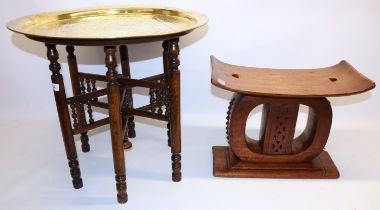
(321, 113)
(300, 158)
(240, 110)
(318, 137)
(64, 116)
(304, 139)
(115, 124)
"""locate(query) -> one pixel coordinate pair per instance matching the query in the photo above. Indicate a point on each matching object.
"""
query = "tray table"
(113, 27)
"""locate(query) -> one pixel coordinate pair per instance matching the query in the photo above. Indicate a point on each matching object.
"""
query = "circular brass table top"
(108, 25)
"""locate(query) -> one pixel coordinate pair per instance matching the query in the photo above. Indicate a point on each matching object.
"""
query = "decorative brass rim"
(127, 22)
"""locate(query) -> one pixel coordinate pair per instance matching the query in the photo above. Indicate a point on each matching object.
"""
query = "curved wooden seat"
(339, 80)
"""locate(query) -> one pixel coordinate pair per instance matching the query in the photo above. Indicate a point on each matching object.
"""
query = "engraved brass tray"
(105, 23)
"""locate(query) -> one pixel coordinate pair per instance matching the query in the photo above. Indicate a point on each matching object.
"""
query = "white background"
(277, 34)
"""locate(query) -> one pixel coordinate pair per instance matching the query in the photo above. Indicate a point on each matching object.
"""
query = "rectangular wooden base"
(226, 164)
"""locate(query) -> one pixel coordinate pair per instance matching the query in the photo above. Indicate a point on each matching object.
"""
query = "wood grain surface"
(339, 80)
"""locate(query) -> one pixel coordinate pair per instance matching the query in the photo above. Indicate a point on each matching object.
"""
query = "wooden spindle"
(63, 114)
(115, 124)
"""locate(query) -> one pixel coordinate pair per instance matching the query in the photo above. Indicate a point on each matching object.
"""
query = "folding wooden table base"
(164, 92)
(112, 27)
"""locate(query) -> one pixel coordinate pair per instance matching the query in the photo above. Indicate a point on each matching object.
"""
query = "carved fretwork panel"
(159, 100)
(279, 127)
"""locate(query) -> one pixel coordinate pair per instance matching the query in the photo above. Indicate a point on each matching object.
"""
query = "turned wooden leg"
(73, 67)
(175, 118)
(165, 45)
(128, 99)
(63, 114)
(127, 72)
(115, 124)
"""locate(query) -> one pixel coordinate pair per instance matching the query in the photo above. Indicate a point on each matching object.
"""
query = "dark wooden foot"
(84, 140)
(115, 124)
(226, 164)
(75, 173)
(121, 187)
(176, 167)
(63, 114)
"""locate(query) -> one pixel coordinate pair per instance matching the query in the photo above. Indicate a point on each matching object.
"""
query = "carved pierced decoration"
(278, 138)
(280, 129)
(159, 100)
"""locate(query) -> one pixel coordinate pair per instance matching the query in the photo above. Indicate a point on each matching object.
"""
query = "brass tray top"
(107, 23)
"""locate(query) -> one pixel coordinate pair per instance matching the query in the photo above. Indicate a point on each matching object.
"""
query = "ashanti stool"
(277, 154)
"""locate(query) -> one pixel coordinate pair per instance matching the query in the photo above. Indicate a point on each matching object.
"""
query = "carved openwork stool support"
(277, 154)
